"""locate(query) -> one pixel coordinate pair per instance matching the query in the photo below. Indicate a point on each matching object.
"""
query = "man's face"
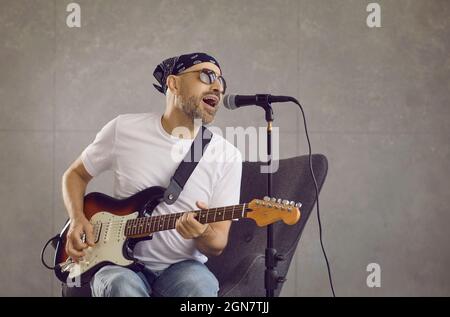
(193, 92)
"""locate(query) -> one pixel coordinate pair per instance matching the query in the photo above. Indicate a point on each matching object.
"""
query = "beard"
(191, 106)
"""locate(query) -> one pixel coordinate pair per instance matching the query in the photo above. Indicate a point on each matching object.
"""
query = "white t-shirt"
(142, 154)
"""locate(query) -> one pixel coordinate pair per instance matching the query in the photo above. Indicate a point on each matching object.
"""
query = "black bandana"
(175, 65)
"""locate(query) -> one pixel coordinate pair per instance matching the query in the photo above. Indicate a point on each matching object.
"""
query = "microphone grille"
(229, 102)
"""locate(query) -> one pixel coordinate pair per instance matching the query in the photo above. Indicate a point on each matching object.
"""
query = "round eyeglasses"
(208, 77)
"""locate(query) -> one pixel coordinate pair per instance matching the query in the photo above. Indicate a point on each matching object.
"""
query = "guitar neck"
(144, 226)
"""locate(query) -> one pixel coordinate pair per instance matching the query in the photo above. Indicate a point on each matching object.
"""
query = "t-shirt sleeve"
(98, 156)
(227, 190)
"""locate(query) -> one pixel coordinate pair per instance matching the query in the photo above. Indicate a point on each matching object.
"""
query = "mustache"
(212, 93)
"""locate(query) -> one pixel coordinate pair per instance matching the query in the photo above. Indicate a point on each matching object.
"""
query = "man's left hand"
(189, 227)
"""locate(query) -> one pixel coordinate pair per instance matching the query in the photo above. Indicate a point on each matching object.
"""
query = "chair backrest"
(240, 268)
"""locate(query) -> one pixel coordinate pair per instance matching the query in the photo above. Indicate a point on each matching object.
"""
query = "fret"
(154, 224)
(130, 224)
(159, 223)
(202, 214)
(218, 213)
(167, 226)
(137, 226)
(169, 218)
(149, 224)
(174, 220)
(224, 213)
(148, 220)
(133, 228)
(164, 222)
(136, 221)
(141, 225)
(177, 215)
(163, 225)
(208, 218)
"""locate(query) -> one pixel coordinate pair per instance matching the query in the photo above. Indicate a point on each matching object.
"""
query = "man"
(141, 150)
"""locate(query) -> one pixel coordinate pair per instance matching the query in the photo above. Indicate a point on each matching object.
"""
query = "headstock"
(269, 210)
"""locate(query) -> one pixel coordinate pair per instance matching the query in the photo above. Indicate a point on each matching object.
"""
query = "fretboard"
(146, 225)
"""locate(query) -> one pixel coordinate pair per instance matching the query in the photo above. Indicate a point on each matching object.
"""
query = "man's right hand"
(79, 227)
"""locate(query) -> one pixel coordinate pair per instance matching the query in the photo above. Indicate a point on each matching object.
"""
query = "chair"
(240, 268)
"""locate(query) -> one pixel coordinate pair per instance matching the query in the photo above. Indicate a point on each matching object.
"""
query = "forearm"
(211, 242)
(73, 190)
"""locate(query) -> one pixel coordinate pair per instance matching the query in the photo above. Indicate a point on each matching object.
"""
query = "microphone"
(236, 101)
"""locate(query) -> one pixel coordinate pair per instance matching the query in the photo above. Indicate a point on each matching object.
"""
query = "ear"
(173, 84)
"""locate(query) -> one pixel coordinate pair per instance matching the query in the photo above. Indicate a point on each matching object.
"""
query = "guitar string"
(154, 219)
(167, 215)
(179, 214)
(113, 226)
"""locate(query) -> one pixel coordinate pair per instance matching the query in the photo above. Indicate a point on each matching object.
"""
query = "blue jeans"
(183, 279)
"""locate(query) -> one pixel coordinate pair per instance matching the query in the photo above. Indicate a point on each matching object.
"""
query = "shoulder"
(134, 117)
(133, 120)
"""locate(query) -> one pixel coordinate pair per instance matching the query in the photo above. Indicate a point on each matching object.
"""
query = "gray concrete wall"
(376, 99)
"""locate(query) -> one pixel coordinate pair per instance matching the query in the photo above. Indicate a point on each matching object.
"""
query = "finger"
(90, 236)
(191, 221)
(189, 218)
(194, 227)
(78, 243)
(183, 218)
(196, 218)
(182, 230)
(74, 251)
(75, 254)
(201, 204)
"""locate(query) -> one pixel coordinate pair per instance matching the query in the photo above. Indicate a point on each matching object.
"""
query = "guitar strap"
(187, 165)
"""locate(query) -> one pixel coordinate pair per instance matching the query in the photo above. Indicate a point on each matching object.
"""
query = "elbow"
(217, 252)
(214, 252)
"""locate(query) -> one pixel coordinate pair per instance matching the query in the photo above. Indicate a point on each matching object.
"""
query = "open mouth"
(211, 101)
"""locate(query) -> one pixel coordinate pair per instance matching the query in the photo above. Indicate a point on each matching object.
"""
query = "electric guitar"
(120, 224)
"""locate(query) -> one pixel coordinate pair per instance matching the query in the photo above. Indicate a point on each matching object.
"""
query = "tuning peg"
(285, 201)
(266, 198)
(292, 203)
(279, 200)
(298, 205)
(273, 199)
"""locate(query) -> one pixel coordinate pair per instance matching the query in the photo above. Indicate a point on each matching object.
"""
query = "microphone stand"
(271, 277)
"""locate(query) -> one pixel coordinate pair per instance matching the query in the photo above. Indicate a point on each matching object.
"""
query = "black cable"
(43, 250)
(317, 197)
